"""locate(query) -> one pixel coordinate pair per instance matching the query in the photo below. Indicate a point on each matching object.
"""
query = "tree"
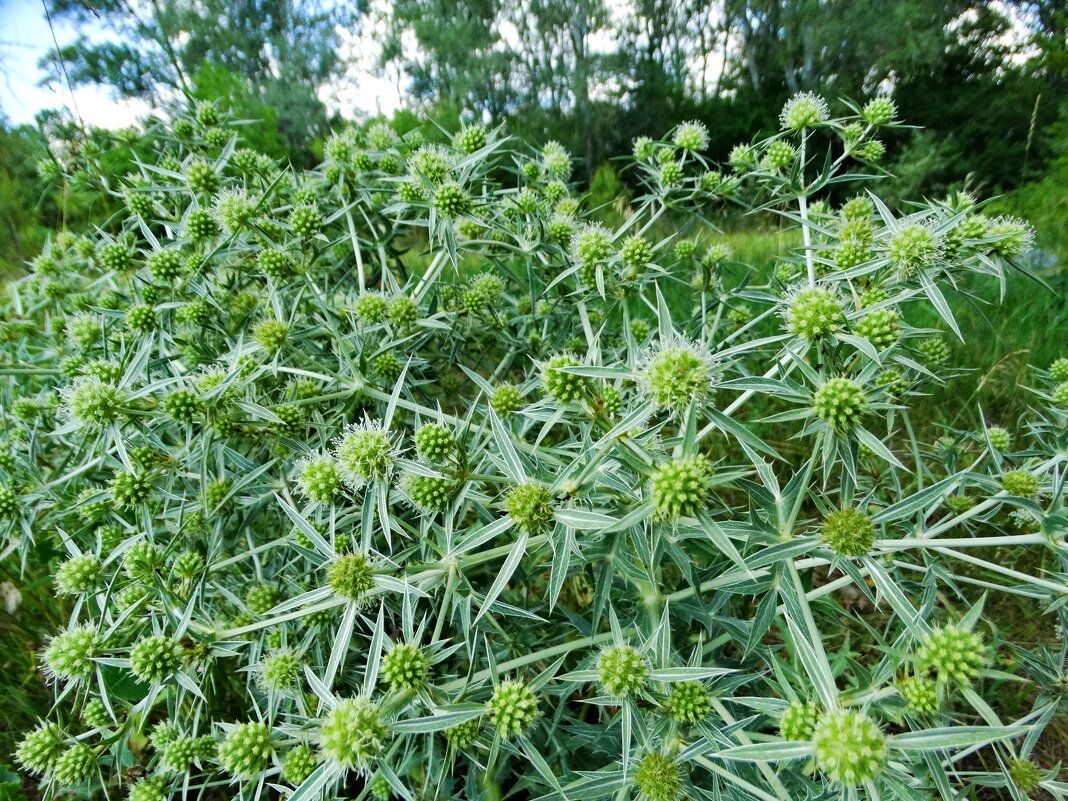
(282, 49)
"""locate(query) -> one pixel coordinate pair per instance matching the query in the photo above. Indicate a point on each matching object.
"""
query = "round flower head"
(319, 479)
(9, 503)
(371, 307)
(556, 161)
(245, 751)
(298, 765)
(958, 504)
(1000, 439)
(851, 253)
(188, 566)
(234, 209)
(841, 402)
(643, 148)
(670, 175)
(677, 373)
(271, 335)
(402, 311)
(506, 400)
(934, 351)
(911, 249)
(463, 735)
(261, 598)
(470, 138)
(405, 667)
(387, 366)
(39, 749)
(563, 387)
(692, 136)
(879, 111)
(1020, 483)
(611, 400)
(201, 226)
(428, 493)
(881, 327)
(1058, 371)
(872, 150)
(280, 670)
(180, 754)
(79, 575)
(350, 576)
(1060, 394)
(560, 229)
(688, 701)
(141, 318)
(513, 709)
(305, 220)
(799, 720)
(920, 694)
(352, 734)
(858, 208)
(622, 670)
(364, 452)
(636, 252)
(742, 157)
(75, 765)
(952, 653)
(717, 253)
(434, 442)
(149, 788)
(591, 246)
(163, 734)
(658, 778)
(1011, 235)
(530, 506)
(166, 265)
(813, 312)
(95, 715)
(70, 654)
(200, 176)
(93, 402)
(183, 405)
(1025, 774)
(380, 789)
(680, 488)
(141, 560)
(430, 162)
(850, 748)
(803, 110)
(849, 532)
(452, 200)
(275, 264)
(381, 136)
(155, 659)
(778, 156)
(482, 292)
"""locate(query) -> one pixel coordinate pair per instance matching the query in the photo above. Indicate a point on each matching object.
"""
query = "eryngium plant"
(401, 477)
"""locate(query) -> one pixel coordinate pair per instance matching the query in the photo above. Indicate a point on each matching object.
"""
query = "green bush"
(342, 518)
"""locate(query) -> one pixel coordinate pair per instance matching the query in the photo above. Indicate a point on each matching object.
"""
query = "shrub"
(338, 514)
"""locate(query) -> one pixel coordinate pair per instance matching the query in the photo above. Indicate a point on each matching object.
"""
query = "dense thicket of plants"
(400, 478)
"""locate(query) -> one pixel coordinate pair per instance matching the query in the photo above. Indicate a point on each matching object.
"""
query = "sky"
(25, 37)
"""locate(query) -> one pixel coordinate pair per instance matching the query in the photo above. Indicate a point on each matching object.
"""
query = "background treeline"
(984, 82)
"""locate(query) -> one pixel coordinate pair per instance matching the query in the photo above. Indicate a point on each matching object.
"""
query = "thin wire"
(63, 65)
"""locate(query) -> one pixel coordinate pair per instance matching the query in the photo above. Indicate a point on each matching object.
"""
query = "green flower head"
(352, 734)
(850, 748)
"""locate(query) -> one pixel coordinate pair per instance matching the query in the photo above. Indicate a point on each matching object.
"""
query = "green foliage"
(544, 528)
